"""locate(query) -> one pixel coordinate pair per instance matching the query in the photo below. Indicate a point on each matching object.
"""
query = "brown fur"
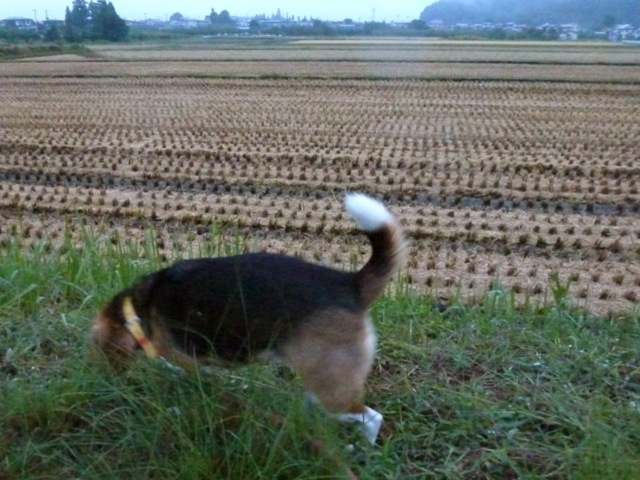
(234, 309)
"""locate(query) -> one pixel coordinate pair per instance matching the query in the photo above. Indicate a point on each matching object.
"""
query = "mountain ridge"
(586, 13)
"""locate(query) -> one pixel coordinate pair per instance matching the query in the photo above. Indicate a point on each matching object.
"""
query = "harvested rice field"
(508, 164)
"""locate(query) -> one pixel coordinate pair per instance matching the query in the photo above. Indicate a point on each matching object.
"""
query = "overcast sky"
(388, 10)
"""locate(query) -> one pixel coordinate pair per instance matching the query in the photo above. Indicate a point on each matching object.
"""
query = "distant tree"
(52, 34)
(77, 21)
(254, 26)
(532, 33)
(221, 22)
(322, 28)
(97, 20)
(417, 25)
(224, 18)
(176, 17)
(106, 24)
(497, 34)
(376, 28)
(552, 34)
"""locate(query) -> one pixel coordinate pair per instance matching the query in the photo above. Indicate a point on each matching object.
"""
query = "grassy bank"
(27, 50)
(482, 391)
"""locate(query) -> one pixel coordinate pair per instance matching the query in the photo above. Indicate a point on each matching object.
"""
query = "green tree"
(497, 34)
(221, 22)
(417, 25)
(52, 34)
(222, 19)
(176, 17)
(254, 26)
(106, 24)
(97, 21)
(77, 21)
(322, 28)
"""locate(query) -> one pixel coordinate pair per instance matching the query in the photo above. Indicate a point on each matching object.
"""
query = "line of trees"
(96, 20)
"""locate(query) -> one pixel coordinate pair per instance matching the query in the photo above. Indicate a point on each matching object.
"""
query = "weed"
(467, 392)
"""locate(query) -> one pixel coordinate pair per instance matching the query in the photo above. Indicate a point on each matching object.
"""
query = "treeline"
(96, 20)
(415, 28)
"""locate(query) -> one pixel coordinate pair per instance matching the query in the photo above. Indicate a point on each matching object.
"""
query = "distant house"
(570, 36)
(242, 23)
(569, 31)
(189, 23)
(515, 27)
(20, 24)
(437, 25)
(546, 27)
(349, 26)
(271, 23)
(153, 23)
(621, 33)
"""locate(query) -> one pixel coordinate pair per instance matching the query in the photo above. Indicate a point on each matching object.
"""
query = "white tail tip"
(369, 214)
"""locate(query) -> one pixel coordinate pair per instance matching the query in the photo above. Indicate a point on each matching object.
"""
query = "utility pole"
(35, 15)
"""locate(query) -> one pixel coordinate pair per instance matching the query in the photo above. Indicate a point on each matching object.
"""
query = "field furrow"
(495, 181)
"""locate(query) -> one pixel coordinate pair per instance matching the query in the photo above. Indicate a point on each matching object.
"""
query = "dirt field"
(501, 169)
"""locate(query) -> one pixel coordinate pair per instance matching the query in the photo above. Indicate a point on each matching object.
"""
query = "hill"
(587, 13)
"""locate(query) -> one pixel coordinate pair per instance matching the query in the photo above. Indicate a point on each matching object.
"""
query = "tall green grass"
(475, 391)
